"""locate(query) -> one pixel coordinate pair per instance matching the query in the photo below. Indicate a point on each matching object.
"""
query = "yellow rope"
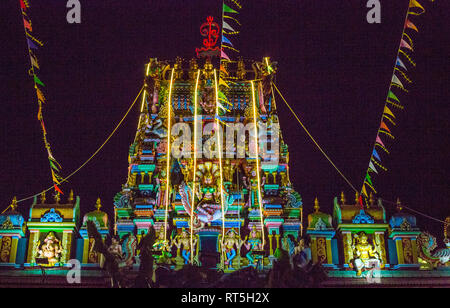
(93, 155)
(168, 154)
(219, 150)
(195, 166)
(315, 142)
(257, 165)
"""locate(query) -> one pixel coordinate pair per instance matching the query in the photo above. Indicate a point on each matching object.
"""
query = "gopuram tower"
(208, 168)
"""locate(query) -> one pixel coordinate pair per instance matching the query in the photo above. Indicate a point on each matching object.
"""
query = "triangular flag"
(397, 81)
(368, 179)
(399, 62)
(39, 94)
(57, 189)
(31, 44)
(225, 40)
(371, 166)
(221, 81)
(388, 111)
(364, 191)
(405, 44)
(224, 55)
(414, 3)
(378, 140)
(411, 25)
(22, 5)
(225, 25)
(375, 154)
(228, 9)
(27, 24)
(34, 62)
(384, 126)
(222, 69)
(392, 95)
(38, 81)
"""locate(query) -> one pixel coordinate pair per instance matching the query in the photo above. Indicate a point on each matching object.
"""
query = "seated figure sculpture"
(366, 255)
(51, 249)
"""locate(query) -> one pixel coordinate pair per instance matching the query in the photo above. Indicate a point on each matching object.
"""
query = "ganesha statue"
(51, 249)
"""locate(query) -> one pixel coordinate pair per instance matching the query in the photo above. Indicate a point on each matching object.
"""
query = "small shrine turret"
(361, 230)
(53, 227)
(320, 229)
(85, 252)
(403, 249)
(12, 237)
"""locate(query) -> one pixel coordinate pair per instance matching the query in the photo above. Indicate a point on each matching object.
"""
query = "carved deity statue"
(231, 244)
(253, 243)
(51, 249)
(366, 255)
(183, 241)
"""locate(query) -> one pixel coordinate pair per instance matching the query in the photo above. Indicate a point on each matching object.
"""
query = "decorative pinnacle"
(399, 205)
(14, 204)
(98, 204)
(342, 198)
(57, 197)
(357, 198)
(316, 205)
(371, 199)
(71, 196)
(43, 197)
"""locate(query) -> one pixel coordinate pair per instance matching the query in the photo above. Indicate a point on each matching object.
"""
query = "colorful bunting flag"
(399, 62)
(410, 25)
(227, 9)
(27, 25)
(375, 154)
(225, 25)
(31, 42)
(224, 55)
(406, 42)
(225, 40)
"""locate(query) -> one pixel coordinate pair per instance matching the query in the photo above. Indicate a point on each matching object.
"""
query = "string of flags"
(34, 44)
(229, 24)
(398, 84)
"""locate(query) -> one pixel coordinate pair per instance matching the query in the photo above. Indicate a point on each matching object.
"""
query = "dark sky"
(334, 69)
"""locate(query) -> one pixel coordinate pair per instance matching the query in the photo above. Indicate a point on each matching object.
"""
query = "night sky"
(333, 68)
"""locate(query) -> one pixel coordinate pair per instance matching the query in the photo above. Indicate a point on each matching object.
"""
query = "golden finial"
(43, 197)
(316, 205)
(357, 198)
(57, 197)
(14, 204)
(371, 199)
(342, 198)
(71, 196)
(399, 205)
(98, 204)
(241, 69)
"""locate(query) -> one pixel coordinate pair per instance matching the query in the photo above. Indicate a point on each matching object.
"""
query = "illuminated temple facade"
(208, 204)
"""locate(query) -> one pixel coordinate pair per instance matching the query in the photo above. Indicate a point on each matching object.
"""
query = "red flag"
(383, 126)
(411, 25)
(27, 24)
(57, 189)
(22, 5)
